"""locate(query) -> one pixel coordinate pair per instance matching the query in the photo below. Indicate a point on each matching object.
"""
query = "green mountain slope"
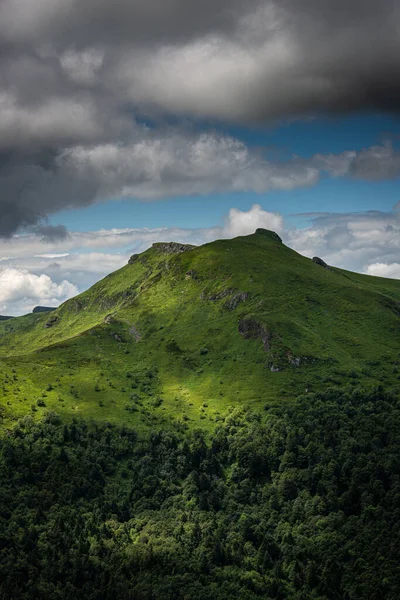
(184, 332)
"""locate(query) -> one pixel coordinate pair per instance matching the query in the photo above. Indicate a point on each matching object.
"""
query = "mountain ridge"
(233, 321)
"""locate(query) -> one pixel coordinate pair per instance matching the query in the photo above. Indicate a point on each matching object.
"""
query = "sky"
(125, 123)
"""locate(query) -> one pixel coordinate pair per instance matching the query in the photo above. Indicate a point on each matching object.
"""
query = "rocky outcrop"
(269, 234)
(52, 321)
(295, 361)
(235, 297)
(217, 295)
(133, 259)
(320, 262)
(172, 247)
(234, 301)
(250, 328)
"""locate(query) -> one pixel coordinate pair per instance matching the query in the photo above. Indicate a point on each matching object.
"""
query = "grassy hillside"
(185, 332)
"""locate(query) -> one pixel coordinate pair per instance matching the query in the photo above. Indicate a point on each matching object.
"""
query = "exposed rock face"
(320, 262)
(52, 321)
(268, 233)
(250, 328)
(40, 309)
(133, 259)
(235, 300)
(172, 247)
(295, 361)
(217, 295)
(235, 297)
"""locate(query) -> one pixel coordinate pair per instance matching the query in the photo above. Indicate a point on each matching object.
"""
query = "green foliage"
(300, 502)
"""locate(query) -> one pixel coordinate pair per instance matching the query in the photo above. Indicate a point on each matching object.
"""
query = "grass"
(159, 339)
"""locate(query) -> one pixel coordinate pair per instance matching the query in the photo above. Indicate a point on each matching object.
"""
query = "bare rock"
(172, 247)
(320, 262)
(250, 328)
(217, 295)
(235, 300)
(133, 259)
(295, 361)
(52, 321)
(270, 234)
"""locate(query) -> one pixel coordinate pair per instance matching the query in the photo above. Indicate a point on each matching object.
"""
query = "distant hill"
(40, 309)
(4, 318)
(185, 332)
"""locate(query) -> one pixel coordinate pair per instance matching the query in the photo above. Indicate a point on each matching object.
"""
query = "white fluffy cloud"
(245, 222)
(21, 290)
(392, 271)
(352, 241)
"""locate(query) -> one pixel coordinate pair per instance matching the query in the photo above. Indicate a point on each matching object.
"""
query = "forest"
(299, 501)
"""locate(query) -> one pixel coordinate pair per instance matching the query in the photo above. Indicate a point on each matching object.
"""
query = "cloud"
(76, 80)
(158, 165)
(177, 164)
(384, 270)
(352, 241)
(279, 59)
(377, 162)
(246, 222)
(20, 290)
(51, 233)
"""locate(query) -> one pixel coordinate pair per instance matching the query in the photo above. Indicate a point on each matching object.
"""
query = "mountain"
(43, 309)
(211, 423)
(185, 332)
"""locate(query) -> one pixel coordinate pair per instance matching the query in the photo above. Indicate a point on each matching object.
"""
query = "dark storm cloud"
(375, 163)
(51, 233)
(118, 21)
(73, 75)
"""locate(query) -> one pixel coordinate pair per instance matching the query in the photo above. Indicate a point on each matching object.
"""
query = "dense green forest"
(299, 502)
